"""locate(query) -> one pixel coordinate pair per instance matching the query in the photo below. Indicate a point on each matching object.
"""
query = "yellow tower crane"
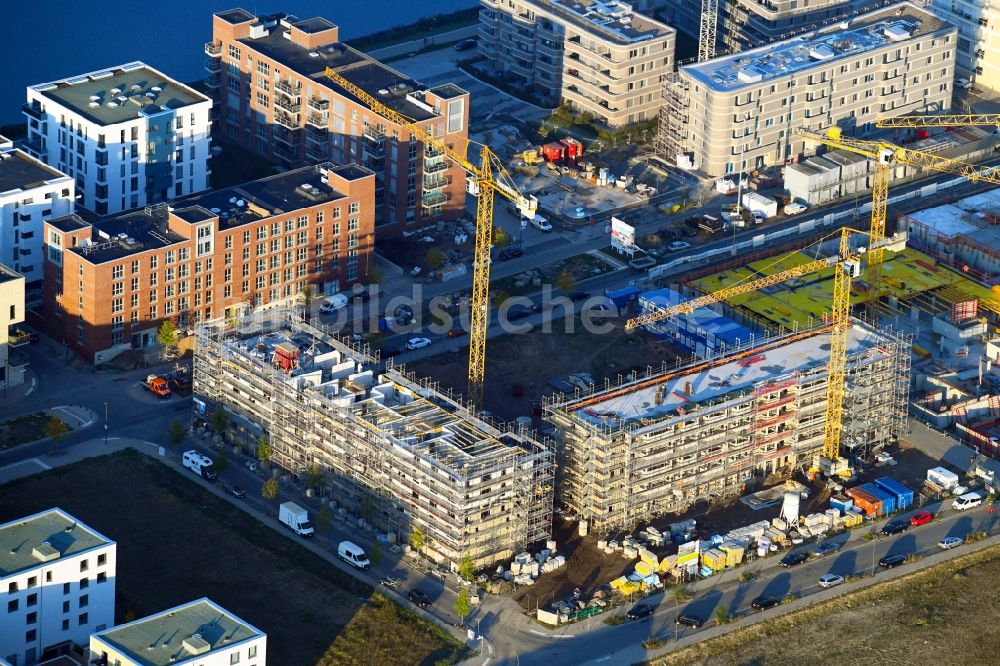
(941, 120)
(885, 156)
(847, 266)
(487, 178)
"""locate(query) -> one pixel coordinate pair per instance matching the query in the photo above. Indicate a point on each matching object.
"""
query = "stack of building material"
(668, 563)
(833, 517)
(748, 533)
(734, 553)
(779, 524)
(852, 517)
(643, 569)
(625, 586)
(763, 546)
(682, 531)
(714, 559)
(630, 552)
(870, 505)
(649, 558)
(904, 496)
(524, 579)
(841, 503)
(888, 500)
(654, 536)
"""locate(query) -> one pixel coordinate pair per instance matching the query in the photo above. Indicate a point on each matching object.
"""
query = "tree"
(167, 335)
(435, 258)
(270, 489)
(417, 538)
(374, 275)
(467, 570)
(306, 299)
(221, 462)
(314, 476)
(501, 238)
(324, 519)
(176, 432)
(367, 508)
(462, 605)
(263, 450)
(565, 282)
(375, 555)
(220, 420)
(56, 428)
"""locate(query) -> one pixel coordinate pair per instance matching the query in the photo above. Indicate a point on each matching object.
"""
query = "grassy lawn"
(177, 542)
(236, 165)
(933, 616)
(23, 429)
(425, 27)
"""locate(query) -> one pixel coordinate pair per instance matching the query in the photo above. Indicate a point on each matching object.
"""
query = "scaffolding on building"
(672, 137)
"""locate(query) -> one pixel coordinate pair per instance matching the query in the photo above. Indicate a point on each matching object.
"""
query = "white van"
(541, 223)
(353, 554)
(333, 303)
(967, 501)
(199, 464)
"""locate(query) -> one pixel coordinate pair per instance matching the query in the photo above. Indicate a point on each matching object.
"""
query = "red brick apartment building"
(109, 285)
(266, 75)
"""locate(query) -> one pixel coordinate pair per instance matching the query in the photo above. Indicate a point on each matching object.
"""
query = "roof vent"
(196, 645)
(44, 552)
(95, 98)
(93, 104)
(314, 54)
(112, 103)
(135, 87)
(151, 95)
(156, 89)
(821, 52)
(383, 91)
(897, 32)
(116, 91)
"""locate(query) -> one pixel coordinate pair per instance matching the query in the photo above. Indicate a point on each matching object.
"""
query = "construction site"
(706, 430)
(395, 453)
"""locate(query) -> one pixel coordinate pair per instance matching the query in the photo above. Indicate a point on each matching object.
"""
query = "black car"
(419, 598)
(237, 492)
(792, 559)
(389, 353)
(826, 548)
(895, 527)
(890, 561)
(762, 602)
(362, 296)
(538, 307)
(579, 296)
(689, 620)
(511, 253)
(518, 312)
(639, 610)
(465, 45)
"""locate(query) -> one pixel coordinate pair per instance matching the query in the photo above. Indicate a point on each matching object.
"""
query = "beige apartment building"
(740, 112)
(978, 40)
(267, 77)
(600, 57)
(12, 363)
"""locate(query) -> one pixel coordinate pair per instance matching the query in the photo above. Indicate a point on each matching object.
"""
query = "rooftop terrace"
(120, 94)
(689, 389)
(43, 538)
(816, 49)
(193, 630)
(20, 171)
(608, 19)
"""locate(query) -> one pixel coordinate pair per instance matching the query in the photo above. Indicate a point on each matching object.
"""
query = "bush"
(614, 620)
(681, 595)
(788, 598)
(653, 643)
(723, 616)
(747, 576)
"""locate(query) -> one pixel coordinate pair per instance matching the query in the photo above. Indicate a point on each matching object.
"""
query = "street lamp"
(105, 424)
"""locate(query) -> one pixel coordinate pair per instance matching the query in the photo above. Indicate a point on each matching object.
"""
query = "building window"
(116, 272)
(65, 625)
(82, 620)
(31, 618)
(31, 600)
(84, 600)
(33, 581)
(12, 605)
(30, 635)
(234, 658)
(102, 559)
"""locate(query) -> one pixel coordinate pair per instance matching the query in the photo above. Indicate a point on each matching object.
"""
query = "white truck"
(295, 518)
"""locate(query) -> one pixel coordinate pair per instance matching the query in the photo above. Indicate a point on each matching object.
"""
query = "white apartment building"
(599, 56)
(57, 585)
(742, 111)
(199, 633)
(129, 135)
(978, 53)
(30, 194)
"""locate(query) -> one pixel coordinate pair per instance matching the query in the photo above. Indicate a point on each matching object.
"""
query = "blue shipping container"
(888, 499)
(841, 504)
(904, 496)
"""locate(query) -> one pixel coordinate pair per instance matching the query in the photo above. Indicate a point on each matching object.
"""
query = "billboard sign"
(622, 236)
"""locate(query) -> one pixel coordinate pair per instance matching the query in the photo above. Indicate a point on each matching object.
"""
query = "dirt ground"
(177, 542)
(942, 615)
(533, 358)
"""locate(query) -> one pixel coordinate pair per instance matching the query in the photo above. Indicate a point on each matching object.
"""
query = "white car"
(963, 83)
(948, 543)
(829, 580)
(417, 343)
(676, 246)
(794, 208)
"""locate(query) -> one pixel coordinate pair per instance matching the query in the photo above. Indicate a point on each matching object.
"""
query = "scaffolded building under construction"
(659, 443)
(394, 451)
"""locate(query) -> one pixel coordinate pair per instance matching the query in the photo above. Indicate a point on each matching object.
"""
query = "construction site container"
(853, 170)
(841, 503)
(904, 496)
(942, 478)
(622, 298)
(815, 180)
(761, 204)
(888, 500)
(865, 501)
(554, 152)
(573, 149)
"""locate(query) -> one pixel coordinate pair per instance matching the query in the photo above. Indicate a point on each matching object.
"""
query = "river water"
(53, 39)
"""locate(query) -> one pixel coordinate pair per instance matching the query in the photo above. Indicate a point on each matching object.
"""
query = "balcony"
(289, 138)
(316, 152)
(431, 199)
(286, 120)
(288, 88)
(320, 120)
(373, 142)
(317, 104)
(319, 138)
(33, 144)
(214, 82)
(213, 49)
(287, 104)
(435, 167)
(33, 110)
(213, 65)
(435, 182)
(284, 154)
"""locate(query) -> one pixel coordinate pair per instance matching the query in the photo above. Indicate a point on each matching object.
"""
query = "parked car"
(762, 602)
(237, 492)
(541, 223)
(638, 611)
(518, 312)
(465, 45)
(511, 252)
(921, 518)
(362, 296)
(538, 307)
(417, 343)
(895, 527)
(579, 296)
(794, 208)
(419, 598)
(390, 352)
(793, 558)
(826, 548)
(963, 83)
(456, 332)
(677, 246)
(829, 580)
(689, 620)
(333, 303)
(890, 561)
(950, 542)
